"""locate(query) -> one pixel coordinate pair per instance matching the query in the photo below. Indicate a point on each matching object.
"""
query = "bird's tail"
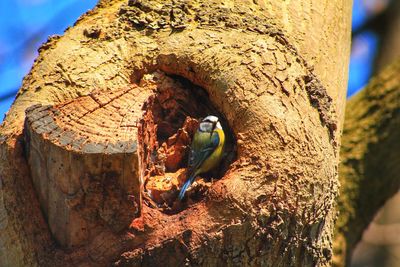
(186, 185)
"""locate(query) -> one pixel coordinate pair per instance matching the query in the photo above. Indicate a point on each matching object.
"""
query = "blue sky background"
(26, 24)
(365, 44)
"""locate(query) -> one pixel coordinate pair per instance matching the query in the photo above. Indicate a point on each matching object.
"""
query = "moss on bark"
(369, 169)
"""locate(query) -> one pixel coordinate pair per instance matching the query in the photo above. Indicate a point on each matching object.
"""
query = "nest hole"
(170, 119)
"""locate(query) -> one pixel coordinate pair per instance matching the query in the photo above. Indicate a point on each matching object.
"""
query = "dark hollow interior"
(170, 119)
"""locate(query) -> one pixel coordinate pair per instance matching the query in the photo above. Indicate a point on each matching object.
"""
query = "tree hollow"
(92, 158)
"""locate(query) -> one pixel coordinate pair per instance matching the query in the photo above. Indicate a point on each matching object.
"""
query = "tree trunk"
(106, 107)
(369, 157)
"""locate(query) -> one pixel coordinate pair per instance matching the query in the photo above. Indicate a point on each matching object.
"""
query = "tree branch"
(370, 163)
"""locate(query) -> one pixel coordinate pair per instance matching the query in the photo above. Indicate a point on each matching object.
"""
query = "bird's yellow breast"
(214, 159)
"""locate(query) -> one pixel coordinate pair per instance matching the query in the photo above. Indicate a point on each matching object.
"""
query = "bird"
(206, 150)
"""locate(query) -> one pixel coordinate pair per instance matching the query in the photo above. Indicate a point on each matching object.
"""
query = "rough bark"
(368, 171)
(276, 71)
(83, 163)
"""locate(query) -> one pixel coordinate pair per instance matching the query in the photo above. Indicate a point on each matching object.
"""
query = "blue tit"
(206, 150)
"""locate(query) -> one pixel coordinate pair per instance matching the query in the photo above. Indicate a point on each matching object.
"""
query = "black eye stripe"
(210, 121)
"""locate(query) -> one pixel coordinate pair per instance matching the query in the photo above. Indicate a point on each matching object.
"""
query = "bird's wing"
(202, 147)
